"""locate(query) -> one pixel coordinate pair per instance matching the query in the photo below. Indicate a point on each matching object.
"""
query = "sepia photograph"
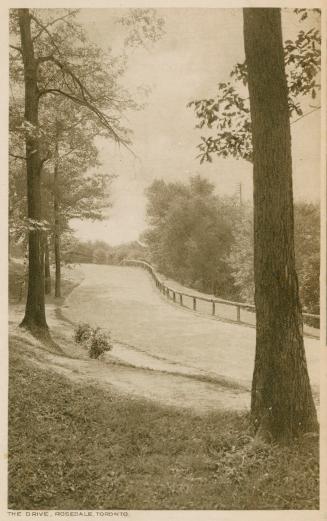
(165, 211)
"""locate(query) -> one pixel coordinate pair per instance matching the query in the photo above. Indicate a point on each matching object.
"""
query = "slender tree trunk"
(282, 405)
(34, 318)
(47, 274)
(56, 208)
(57, 265)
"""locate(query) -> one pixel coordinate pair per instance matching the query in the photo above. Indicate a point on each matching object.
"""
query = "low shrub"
(100, 343)
(96, 340)
(82, 333)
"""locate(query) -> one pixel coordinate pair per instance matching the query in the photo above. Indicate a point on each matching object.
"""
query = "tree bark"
(34, 318)
(56, 208)
(282, 406)
(47, 273)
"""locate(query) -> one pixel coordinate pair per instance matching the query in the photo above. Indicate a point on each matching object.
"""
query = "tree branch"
(65, 68)
(42, 59)
(100, 115)
(68, 153)
(78, 122)
(45, 27)
(306, 114)
(16, 48)
(18, 157)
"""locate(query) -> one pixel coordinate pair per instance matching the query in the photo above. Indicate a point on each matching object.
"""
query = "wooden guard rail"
(172, 293)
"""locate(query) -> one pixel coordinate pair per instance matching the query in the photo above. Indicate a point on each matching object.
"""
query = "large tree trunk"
(34, 318)
(282, 405)
(47, 273)
(57, 222)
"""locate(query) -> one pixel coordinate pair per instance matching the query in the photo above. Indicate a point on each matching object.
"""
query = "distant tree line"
(100, 252)
(73, 251)
(205, 241)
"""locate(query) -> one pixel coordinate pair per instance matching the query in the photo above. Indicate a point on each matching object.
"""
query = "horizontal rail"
(167, 291)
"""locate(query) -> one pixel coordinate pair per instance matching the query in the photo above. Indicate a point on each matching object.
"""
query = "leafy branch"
(228, 113)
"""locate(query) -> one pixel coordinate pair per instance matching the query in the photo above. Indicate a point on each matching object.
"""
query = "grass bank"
(17, 284)
(80, 447)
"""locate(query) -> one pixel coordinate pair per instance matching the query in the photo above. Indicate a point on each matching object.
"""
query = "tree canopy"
(52, 63)
(190, 233)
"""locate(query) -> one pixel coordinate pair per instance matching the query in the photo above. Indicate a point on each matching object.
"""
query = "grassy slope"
(17, 291)
(74, 447)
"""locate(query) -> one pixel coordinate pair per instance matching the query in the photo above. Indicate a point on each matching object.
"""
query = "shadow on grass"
(80, 447)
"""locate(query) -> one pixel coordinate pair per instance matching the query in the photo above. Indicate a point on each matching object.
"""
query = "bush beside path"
(137, 430)
(125, 300)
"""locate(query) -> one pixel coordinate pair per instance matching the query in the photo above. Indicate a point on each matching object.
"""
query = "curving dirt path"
(161, 352)
(124, 300)
(167, 388)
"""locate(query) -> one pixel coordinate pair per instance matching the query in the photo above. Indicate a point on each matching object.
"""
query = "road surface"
(154, 333)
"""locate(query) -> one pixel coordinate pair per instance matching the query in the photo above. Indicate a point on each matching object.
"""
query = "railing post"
(171, 294)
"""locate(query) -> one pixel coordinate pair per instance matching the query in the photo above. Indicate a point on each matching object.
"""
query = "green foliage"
(303, 64)
(138, 455)
(190, 234)
(207, 242)
(130, 250)
(81, 96)
(241, 255)
(96, 340)
(17, 202)
(100, 256)
(307, 250)
(144, 27)
(16, 280)
(80, 252)
(226, 116)
(100, 252)
(307, 254)
(81, 188)
(100, 343)
(82, 333)
(70, 116)
(229, 115)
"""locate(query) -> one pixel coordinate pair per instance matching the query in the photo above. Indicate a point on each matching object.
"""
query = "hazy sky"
(198, 50)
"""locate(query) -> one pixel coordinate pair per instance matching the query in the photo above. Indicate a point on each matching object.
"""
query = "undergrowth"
(80, 447)
(96, 340)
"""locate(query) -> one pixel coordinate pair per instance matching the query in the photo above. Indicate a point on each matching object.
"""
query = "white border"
(273, 515)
